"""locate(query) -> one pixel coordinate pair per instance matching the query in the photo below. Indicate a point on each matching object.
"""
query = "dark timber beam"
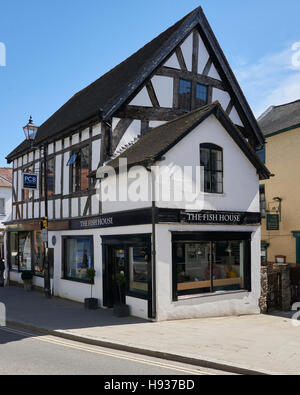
(149, 113)
(202, 79)
(119, 132)
(195, 52)
(207, 67)
(180, 58)
(152, 94)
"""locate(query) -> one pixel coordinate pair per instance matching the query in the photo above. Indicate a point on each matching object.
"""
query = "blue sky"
(54, 48)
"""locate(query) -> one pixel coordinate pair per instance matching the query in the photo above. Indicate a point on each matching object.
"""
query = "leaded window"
(211, 160)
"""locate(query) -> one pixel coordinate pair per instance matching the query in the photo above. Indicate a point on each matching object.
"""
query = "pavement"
(258, 344)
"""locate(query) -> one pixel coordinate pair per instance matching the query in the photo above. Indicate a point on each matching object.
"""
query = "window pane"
(78, 258)
(50, 177)
(193, 267)
(25, 251)
(139, 258)
(205, 158)
(38, 253)
(216, 160)
(228, 262)
(85, 159)
(217, 182)
(14, 251)
(207, 181)
(201, 95)
(185, 95)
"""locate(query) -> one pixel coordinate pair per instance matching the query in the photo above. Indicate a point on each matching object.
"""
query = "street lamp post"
(30, 131)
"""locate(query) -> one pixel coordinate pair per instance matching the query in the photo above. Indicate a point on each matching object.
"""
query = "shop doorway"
(116, 266)
(130, 258)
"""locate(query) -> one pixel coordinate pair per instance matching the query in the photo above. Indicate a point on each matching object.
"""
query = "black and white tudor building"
(174, 103)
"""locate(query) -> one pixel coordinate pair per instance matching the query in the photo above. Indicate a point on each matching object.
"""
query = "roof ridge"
(287, 104)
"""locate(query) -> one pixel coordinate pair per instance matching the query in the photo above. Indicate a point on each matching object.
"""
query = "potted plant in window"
(27, 277)
(91, 303)
(121, 309)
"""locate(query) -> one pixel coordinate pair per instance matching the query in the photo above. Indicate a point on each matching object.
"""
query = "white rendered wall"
(241, 182)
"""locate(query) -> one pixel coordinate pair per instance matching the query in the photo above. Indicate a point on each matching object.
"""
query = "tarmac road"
(29, 353)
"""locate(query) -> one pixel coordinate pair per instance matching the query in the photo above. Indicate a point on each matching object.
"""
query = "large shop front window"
(26, 252)
(210, 266)
(78, 257)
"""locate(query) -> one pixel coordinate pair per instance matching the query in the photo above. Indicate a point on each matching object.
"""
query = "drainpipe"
(153, 245)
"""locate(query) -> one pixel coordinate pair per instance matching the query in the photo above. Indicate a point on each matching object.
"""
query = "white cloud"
(272, 80)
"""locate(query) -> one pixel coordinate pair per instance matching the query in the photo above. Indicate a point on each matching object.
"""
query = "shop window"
(38, 251)
(80, 165)
(139, 259)
(203, 267)
(13, 251)
(211, 160)
(24, 251)
(78, 257)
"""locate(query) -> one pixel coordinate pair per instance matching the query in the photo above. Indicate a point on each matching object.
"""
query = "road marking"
(63, 343)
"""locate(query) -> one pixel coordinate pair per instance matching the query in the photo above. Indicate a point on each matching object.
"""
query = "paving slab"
(267, 344)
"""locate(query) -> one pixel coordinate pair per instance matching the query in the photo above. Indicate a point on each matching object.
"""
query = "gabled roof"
(105, 96)
(99, 97)
(22, 148)
(151, 147)
(6, 177)
(278, 118)
(102, 98)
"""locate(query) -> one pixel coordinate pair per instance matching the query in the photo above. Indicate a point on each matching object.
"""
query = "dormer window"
(211, 160)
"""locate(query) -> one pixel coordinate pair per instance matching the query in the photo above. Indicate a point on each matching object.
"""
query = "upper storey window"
(191, 96)
(201, 95)
(211, 159)
(80, 163)
(50, 178)
(185, 95)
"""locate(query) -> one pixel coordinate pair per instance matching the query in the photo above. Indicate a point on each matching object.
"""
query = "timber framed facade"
(182, 73)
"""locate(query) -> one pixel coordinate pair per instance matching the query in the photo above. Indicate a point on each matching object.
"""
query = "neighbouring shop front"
(26, 251)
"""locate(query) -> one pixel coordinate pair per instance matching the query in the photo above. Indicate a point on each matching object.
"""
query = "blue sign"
(30, 181)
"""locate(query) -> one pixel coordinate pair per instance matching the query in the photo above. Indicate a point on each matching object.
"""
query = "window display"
(209, 266)
(138, 269)
(78, 254)
(25, 251)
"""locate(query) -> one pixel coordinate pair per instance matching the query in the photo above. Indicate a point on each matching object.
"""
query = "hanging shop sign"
(29, 181)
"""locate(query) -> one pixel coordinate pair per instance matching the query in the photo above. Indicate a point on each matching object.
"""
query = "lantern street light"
(30, 131)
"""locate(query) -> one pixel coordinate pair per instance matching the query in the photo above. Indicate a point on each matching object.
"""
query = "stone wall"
(275, 287)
